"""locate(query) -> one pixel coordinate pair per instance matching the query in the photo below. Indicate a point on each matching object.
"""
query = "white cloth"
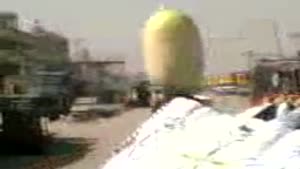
(186, 135)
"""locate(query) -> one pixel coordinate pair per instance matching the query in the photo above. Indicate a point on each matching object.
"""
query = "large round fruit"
(172, 49)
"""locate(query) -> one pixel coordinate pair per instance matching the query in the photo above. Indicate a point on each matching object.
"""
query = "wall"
(100, 77)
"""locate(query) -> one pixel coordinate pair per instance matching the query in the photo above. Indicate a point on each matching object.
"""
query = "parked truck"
(35, 82)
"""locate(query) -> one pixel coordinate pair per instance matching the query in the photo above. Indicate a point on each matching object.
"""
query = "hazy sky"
(114, 25)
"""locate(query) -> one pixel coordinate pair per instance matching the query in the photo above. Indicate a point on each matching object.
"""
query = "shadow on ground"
(58, 152)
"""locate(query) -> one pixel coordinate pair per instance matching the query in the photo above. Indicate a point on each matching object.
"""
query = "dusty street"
(107, 133)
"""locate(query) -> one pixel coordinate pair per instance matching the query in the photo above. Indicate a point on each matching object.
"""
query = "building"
(21, 53)
(91, 70)
(100, 78)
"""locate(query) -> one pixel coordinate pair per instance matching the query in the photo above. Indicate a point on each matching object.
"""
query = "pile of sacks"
(184, 134)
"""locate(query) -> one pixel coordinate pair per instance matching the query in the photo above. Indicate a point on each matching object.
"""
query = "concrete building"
(22, 53)
(8, 20)
(93, 70)
(100, 78)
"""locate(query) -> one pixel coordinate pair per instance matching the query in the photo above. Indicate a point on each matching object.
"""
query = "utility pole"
(249, 54)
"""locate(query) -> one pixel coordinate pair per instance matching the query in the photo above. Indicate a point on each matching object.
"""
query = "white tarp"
(186, 135)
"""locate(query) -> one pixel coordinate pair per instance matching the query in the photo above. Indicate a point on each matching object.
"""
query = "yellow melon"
(172, 49)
